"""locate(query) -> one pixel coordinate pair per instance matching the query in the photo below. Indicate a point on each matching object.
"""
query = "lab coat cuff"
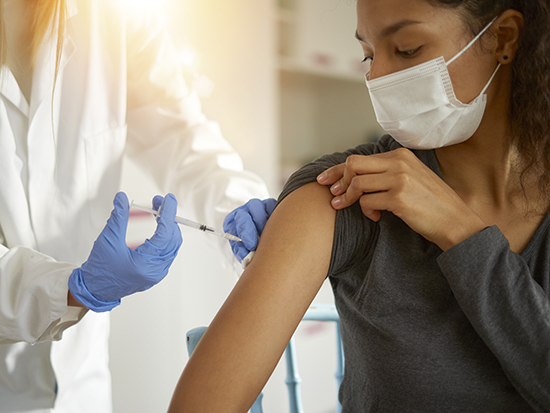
(72, 316)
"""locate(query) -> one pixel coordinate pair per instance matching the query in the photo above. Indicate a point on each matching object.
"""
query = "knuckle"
(402, 164)
(403, 152)
(352, 160)
(399, 201)
(402, 181)
(403, 157)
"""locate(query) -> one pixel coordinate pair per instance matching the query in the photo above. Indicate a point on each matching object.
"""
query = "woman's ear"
(508, 28)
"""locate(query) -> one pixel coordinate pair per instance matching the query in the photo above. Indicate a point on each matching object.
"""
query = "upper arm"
(247, 337)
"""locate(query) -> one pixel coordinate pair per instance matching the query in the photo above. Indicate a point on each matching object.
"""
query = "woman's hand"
(400, 183)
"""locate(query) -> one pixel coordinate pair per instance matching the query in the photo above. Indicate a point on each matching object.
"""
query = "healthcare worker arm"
(34, 288)
(507, 306)
(242, 345)
(33, 296)
(169, 136)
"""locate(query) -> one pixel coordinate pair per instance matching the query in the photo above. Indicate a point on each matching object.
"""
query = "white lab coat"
(119, 91)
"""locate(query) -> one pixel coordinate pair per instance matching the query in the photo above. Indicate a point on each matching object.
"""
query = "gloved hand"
(113, 270)
(247, 222)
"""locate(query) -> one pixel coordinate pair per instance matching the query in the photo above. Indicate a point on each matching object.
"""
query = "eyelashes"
(409, 53)
(405, 54)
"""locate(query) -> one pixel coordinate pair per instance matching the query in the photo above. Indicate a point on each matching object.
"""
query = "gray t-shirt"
(466, 330)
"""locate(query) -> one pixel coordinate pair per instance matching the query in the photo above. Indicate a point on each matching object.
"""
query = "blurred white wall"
(234, 43)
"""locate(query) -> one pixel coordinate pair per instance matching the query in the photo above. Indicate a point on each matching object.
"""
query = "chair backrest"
(317, 312)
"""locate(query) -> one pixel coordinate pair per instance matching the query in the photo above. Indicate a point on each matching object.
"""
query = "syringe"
(192, 224)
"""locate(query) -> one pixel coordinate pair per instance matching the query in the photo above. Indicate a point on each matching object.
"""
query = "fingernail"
(322, 178)
(335, 188)
(336, 202)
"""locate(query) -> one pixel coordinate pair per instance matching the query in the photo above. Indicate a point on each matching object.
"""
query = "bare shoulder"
(303, 221)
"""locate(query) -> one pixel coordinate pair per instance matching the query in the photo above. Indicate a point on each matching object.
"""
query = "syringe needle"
(191, 224)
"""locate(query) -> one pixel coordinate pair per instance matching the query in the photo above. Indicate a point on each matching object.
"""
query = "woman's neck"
(488, 165)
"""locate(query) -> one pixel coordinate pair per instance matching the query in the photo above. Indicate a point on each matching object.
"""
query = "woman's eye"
(366, 59)
(409, 53)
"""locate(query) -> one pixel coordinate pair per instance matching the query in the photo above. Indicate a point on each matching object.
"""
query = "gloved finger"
(240, 251)
(157, 202)
(269, 205)
(161, 253)
(167, 229)
(246, 229)
(229, 222)
(115, 229)
(230, 227)
(260, 210)
(257, 212)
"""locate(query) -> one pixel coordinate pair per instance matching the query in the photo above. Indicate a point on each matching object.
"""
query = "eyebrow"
(394, 28)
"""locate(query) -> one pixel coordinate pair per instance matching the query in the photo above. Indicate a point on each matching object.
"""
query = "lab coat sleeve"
(507, 308)
(169, 135)
(33, 297)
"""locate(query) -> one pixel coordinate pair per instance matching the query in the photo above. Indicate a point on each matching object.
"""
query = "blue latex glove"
(113, 270)
(247, 222)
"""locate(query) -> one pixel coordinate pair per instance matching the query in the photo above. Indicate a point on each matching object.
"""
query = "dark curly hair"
(530, 102)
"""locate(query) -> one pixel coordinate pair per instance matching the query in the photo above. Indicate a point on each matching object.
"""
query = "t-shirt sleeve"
(353, 232)
(508, 308)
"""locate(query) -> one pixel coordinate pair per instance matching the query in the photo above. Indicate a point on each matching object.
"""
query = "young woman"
(82, 83)
(436, 239)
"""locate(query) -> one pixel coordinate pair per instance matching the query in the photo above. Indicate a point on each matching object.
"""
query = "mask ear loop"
(472, 42)
(490, 80)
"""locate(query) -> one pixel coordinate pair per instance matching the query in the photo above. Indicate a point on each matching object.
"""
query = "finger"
(331, 175)
(161, 254)
(229, 224)
(116, 226)
(230, 227)
(258, 213)
(372, 204)
(241, 251)
(246, 230)
(166, 225)
(238, 248)
(373, 215)
(270, 205)
(365, 164)
(360, 185)
(157, 202)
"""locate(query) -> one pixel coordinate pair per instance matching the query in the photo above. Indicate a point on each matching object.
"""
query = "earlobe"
(509, 27)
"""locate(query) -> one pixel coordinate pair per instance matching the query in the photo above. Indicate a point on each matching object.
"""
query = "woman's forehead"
(380, 18)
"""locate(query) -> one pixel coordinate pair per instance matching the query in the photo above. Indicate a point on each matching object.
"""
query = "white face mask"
(418, 106)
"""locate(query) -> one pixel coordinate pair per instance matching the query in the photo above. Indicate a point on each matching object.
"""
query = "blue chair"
(317, 312)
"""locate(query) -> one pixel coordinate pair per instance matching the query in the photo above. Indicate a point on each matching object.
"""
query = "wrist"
(461, 231)
(80, 293)
(73, 302)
